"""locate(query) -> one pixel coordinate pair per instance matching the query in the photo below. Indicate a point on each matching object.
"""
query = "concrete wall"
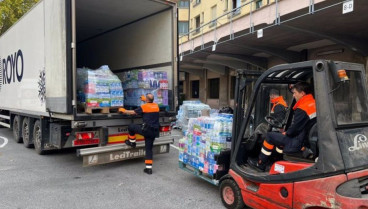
(224, 94)
(338, 53)
(273, 61)
(202, 87)
(333, 52)
(231, 101)
(213, 103)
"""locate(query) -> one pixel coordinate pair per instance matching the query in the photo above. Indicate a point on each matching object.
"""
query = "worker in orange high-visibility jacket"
(291, 140)
(278, 109)
(149, 129)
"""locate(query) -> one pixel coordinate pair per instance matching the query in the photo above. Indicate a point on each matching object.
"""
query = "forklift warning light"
(342, 75)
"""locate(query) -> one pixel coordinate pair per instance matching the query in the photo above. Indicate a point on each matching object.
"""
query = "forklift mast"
(244, 79)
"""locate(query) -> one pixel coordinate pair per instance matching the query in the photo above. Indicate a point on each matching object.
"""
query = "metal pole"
(74, 52)
(250, 18)
(311, 6)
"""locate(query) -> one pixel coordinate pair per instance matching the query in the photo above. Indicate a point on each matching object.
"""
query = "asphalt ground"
(58, 180)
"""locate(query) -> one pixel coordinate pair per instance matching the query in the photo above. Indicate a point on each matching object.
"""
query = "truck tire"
(27, 132)
(231, 195)
(37, 138)
(17, 129)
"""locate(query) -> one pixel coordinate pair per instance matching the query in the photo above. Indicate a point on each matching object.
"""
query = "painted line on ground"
(175, 147)
(5, 142)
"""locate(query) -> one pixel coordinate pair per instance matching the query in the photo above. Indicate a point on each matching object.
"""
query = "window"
(350, 99)
(184, 4)
(214, 88)
(213, 15)
(181, 87)
(196, 2)
(197, 23)
(232, 87)
(183, 27)
(258, 4)
(195, 89)
(236, 4)
(226, 5)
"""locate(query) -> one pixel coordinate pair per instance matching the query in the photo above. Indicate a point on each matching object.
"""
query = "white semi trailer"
(40, 55)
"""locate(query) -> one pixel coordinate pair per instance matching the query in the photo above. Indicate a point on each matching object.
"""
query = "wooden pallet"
(114, 109)
(91, 110)
(94, 110)
(198, 173)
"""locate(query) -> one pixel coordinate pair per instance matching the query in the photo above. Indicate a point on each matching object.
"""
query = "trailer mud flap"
(115, 153)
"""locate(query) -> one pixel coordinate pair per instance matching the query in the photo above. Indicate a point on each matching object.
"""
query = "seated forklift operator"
(278, 109)
(292, 139)
(278, 112)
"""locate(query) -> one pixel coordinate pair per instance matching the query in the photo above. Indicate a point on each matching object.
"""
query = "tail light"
(89, 135)
(85, 138)
(165, 130)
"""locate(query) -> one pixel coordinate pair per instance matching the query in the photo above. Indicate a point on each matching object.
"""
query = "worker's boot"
(131, 144)
(148, 171)
(257, 164)
(307, 153)
(277, 157)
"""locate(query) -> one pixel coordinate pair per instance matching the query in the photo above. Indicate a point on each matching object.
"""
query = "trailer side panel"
(22, 54)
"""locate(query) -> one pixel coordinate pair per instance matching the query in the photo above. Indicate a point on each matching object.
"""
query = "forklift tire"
(17, 134)
(231, 195)
(27, 131)
(37, 138)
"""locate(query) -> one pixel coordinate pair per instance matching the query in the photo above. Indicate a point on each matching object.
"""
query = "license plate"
(168, 133)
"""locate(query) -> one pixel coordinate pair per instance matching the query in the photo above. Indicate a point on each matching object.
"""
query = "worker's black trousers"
(273, 139)
(149, 136)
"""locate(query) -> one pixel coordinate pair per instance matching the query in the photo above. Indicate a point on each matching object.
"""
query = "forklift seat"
(309, 150)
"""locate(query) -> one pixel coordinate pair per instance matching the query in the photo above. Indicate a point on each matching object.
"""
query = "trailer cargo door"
(57, 55)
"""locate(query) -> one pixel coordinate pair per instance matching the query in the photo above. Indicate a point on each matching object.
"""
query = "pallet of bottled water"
(190, 109)
(205, 138)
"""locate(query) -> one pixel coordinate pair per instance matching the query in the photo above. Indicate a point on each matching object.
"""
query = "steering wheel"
(273, 122)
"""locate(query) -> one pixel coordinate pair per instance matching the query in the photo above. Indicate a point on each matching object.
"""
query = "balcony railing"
(229, 17)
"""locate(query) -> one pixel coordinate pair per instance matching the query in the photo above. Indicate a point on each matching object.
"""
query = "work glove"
(143, 98)
(122, 110)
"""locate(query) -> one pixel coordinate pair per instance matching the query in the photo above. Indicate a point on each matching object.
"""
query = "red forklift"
(334, 174)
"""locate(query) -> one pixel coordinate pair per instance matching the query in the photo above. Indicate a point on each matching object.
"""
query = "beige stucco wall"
(204, 10)
(183, 14)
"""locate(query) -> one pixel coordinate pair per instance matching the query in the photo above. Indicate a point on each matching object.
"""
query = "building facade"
(225, 35)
